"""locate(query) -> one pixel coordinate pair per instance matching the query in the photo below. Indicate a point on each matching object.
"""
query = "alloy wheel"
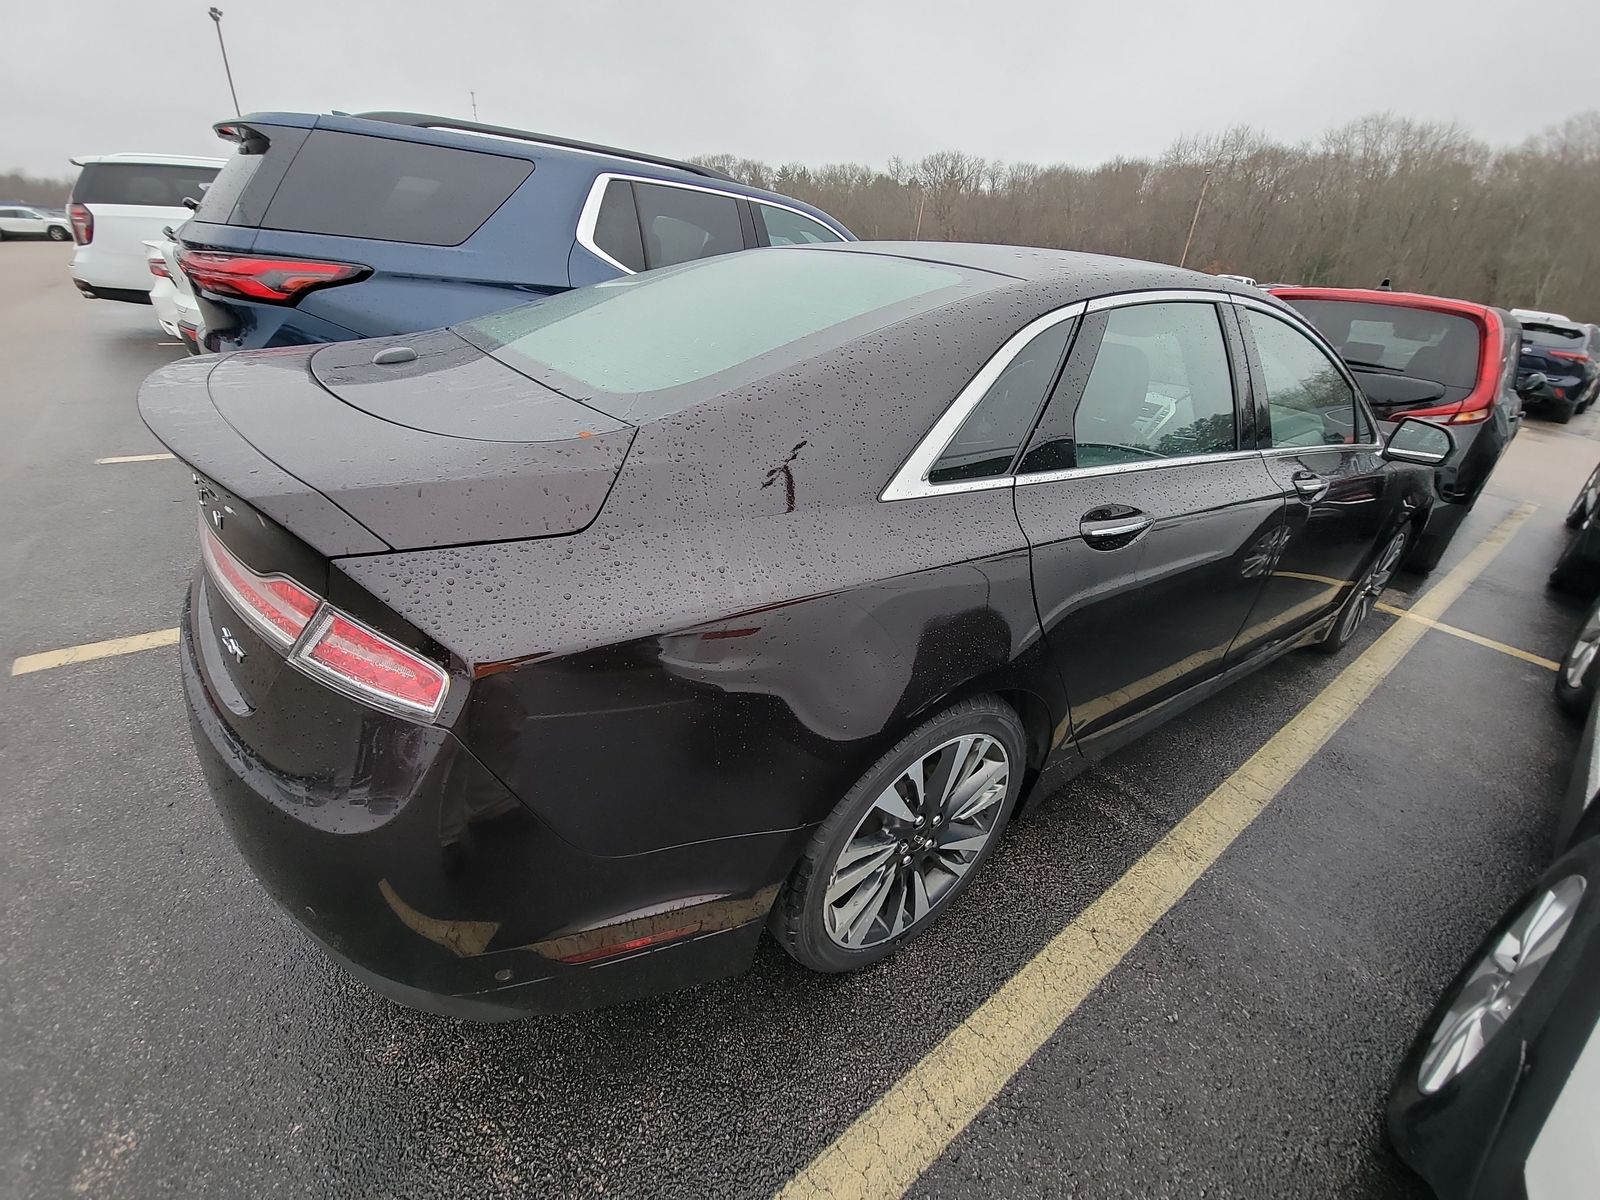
(921, 835)
(1372, 586)
(1581, 657)
(1499, 983)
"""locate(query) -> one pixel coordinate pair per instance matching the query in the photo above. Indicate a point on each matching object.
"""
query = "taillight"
(1577, 356)
(327, 644)
(276, 605)
(252, 277)
(364, 664)
(82, 224)
(158, 267)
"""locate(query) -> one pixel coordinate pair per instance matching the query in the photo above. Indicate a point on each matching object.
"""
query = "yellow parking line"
(885, 1150)
(1476, 639)
(90, 651)
(124, 458)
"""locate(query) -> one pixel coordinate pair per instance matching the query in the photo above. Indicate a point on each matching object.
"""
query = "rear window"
(141, 183)
(1559, 337)
(351, 185)
(1441, 347)
(649, 340)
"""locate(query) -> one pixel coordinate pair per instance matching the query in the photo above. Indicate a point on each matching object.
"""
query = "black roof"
(429, 121)
(1097, 273)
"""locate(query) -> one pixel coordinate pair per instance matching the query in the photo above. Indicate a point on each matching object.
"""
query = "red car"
(1450, 361)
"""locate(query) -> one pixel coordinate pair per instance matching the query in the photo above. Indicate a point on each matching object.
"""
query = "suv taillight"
(254, 277)
(82, 224)
(326, 643)
(158, 266)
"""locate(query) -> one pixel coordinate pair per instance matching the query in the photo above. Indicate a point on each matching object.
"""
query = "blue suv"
(332, 227)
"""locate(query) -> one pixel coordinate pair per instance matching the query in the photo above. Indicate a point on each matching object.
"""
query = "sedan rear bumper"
(420, 874)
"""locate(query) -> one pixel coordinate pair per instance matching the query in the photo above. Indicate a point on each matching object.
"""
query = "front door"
(1319, 443)
(1145, 512)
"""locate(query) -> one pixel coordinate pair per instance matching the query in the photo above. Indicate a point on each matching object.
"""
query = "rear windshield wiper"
(1370, 366)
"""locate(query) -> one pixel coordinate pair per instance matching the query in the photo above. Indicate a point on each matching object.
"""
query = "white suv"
(119, 202)
(23, 221)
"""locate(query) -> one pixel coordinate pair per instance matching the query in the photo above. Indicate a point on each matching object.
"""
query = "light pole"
(1201, 199)
(215, 14)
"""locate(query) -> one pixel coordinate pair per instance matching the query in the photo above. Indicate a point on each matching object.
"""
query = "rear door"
(1320, 444)
(1150, 516)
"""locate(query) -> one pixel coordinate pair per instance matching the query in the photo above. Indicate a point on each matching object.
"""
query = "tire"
(1575, 681)
(58, 234)
(882, 815)
(1577, 571)
(1584, 504)
(1355, 610)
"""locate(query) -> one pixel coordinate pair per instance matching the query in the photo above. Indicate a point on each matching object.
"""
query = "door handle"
(1108, 530)
(1311, 486)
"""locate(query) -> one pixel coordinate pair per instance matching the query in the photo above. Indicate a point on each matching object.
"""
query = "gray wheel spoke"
(847, 881)
(891, 802)
(976, 792)
(862, 911)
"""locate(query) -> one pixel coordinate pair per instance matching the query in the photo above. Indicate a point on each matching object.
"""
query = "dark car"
(1558, 366)
(549, 659)
(1450, 361)
(329, 228)
(1577, 571)
(1498, 1095)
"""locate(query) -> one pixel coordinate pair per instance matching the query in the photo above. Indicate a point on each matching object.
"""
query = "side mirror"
(1532, 385)
(1417, 441)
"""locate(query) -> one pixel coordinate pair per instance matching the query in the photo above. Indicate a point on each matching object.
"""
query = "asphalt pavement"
(165, 1031)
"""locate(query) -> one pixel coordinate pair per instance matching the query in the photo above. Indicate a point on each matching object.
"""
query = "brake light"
(276, 605)
(158, 267)
(253, 277)
(82, 224)
(363, 663)
(1577, 356)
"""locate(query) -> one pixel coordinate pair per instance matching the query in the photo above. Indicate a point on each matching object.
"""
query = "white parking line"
(90, 651)
(122, 458)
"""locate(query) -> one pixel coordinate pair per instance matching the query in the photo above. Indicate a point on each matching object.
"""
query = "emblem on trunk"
(231, 644)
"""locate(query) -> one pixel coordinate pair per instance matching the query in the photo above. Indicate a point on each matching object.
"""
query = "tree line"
(1425, 205)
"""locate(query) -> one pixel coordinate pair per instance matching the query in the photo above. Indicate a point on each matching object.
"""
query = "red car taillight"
(158, 267)
(82, 224)
(324, 642)
(278, 607)
(361, 662)
(253, 277)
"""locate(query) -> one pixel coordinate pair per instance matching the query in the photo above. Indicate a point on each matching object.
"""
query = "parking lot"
(167, 1032)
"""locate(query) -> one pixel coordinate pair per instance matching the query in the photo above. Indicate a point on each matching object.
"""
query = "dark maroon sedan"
(547, 660)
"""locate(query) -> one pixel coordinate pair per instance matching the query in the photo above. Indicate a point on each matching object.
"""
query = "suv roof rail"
(427, 121)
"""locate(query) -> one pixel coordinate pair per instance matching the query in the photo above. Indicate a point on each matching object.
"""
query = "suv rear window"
(643, 338)
(1415, 342)
(350, 185)
(152, 184)
(1559, 337)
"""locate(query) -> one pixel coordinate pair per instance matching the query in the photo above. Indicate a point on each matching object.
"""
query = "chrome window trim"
(911, 480)
(1295, 321)
(1128, 468)
(589, 217)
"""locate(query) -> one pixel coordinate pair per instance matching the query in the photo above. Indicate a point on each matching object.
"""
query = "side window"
(992, 433)
(785, 228)
(616, 229)
(680, 225)
(1308, 401)
(1159, 387)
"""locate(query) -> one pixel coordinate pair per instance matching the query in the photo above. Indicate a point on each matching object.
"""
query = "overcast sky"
(813, 80)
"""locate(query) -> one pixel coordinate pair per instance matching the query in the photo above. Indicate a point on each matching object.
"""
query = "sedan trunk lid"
(416, 442)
